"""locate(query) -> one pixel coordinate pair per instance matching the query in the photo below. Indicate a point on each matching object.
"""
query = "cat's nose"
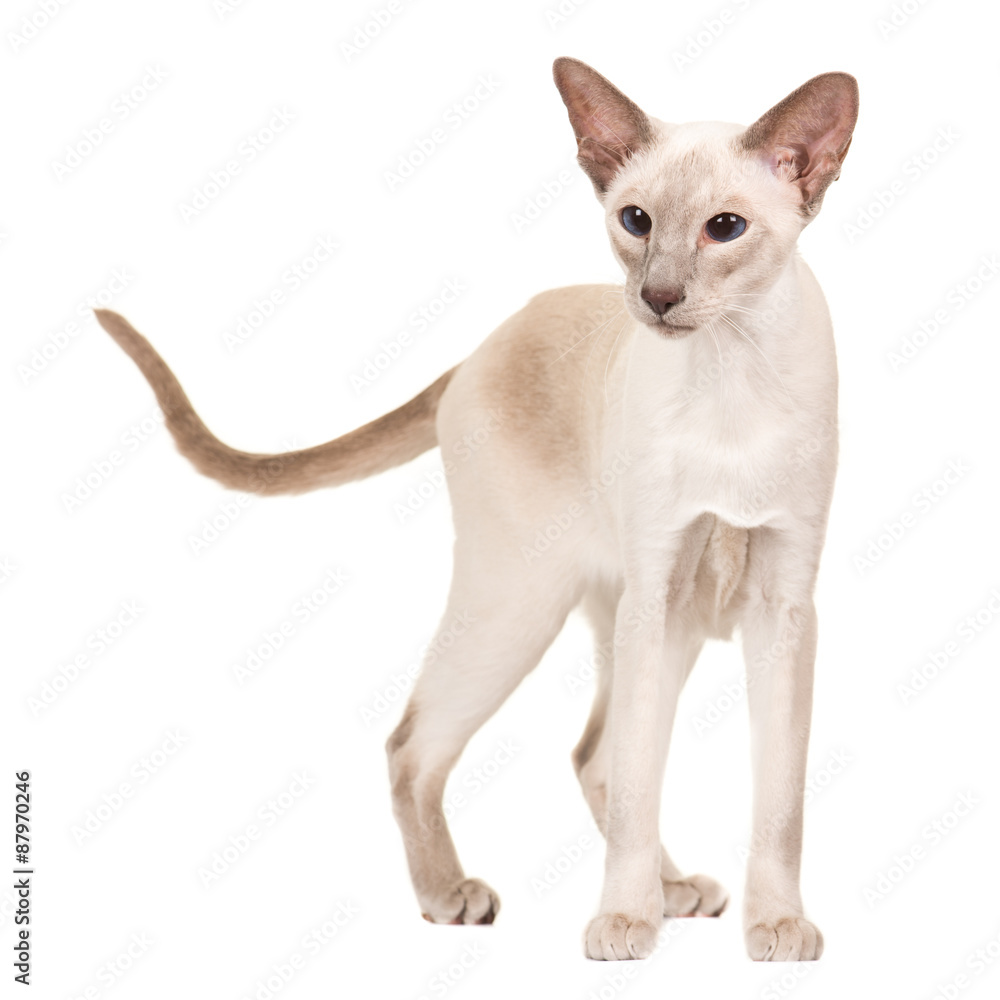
(661, 299)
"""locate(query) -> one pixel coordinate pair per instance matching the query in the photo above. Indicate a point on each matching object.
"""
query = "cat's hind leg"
(512, 612)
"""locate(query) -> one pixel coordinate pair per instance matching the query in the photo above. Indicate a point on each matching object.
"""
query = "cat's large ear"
(805, 137)
(609, 127)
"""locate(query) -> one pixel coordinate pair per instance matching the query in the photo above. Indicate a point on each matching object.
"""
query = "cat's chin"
(670, 331)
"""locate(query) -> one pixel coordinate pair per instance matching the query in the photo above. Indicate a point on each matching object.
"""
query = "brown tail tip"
(117, 325)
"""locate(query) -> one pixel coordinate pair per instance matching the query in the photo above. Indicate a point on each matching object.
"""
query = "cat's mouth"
(672, 330)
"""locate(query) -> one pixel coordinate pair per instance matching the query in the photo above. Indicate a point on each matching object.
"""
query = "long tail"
(388, 441)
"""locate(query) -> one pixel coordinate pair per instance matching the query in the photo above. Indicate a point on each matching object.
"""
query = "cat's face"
(701, 216)
(693, 219)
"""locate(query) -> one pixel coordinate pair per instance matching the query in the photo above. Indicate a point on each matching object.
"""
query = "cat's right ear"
(609, 127)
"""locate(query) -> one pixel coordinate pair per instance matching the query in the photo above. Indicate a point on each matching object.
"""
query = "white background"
(903, 765)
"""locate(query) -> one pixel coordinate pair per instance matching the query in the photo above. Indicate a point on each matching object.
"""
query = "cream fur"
(673, 474)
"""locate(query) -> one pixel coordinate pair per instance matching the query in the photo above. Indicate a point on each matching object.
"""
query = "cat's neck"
(758, 359)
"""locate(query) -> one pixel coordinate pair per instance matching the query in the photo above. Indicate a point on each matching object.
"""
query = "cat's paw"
(613, 937)
(694, 896)
(790, 939)
(472, 901)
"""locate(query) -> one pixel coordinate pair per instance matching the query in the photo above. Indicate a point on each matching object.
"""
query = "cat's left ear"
(609, 127)
(805, 137)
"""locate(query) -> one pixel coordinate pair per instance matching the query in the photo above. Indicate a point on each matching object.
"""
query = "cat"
(662, 454)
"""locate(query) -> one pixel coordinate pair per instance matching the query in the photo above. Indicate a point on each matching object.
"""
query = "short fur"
(669, 468)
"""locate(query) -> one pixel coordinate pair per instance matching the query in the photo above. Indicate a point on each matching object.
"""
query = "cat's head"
(701, 215)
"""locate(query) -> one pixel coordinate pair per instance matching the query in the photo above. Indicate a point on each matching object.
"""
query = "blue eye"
(725, 227)
(636, 221)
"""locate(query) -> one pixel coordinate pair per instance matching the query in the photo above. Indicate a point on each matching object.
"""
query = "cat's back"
(544, 369)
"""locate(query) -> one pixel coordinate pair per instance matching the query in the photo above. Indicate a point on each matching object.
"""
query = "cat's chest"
(734, 473)
(739, 447)
(748, 471)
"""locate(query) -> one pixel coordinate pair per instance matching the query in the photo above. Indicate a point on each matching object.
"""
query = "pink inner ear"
(609, 127)
(804, 138)
(824, 146)
(781, 161)
(610, 155)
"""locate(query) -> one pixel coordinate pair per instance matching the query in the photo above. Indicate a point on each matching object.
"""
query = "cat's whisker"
(775, 322)
(752, 313)
(750, 340)
(618, 336)
(715, 339)
(628, 368)
(584, 337)
(712, 331)
(600, 330)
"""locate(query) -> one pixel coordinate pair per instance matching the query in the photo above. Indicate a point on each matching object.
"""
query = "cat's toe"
(614, 937)
(472, 901)
(694, 896)
(790, 939)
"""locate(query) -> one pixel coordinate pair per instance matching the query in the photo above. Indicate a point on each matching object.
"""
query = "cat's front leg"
(779, 643)
(649, 671)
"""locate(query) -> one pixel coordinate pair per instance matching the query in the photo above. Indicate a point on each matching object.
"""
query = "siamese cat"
(661, 454)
